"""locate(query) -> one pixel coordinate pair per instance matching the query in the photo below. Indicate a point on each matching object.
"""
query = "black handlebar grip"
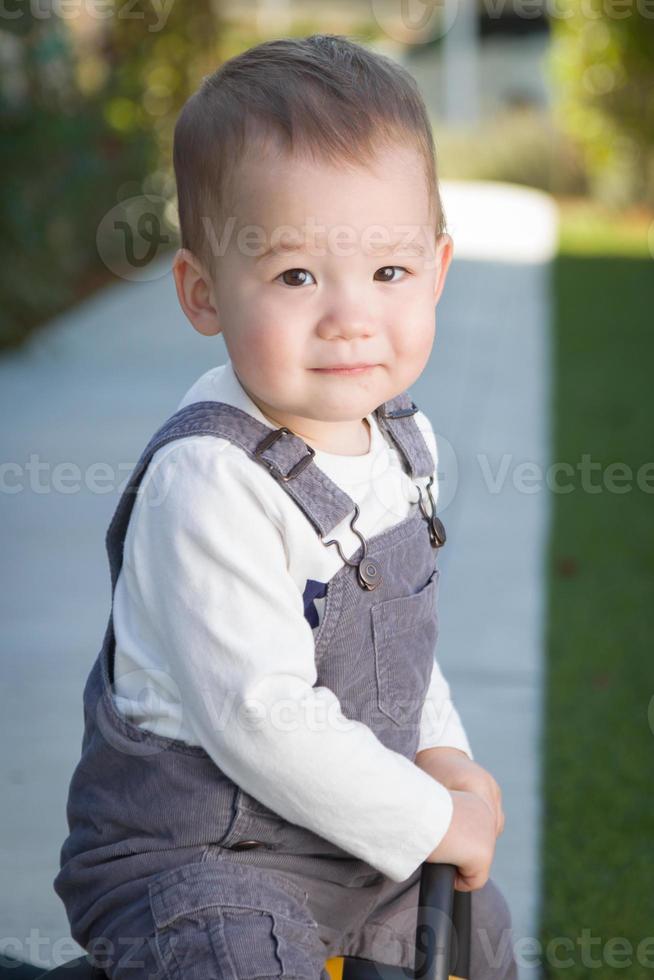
(443, 927)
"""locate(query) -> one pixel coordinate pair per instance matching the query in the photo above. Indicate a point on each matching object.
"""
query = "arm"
(453, 769)
(210, 569)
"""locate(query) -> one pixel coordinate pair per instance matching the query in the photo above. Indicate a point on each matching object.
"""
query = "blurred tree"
(157, 55)
(87, 108)
(602, 65)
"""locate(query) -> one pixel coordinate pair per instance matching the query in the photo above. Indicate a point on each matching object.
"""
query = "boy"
(270, 753)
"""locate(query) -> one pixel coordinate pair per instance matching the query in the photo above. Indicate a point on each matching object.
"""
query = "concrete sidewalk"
(92, 387)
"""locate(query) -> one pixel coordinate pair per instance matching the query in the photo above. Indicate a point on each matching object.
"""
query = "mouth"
(345, 369)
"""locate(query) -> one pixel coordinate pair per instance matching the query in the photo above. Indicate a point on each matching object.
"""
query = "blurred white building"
(471, 58)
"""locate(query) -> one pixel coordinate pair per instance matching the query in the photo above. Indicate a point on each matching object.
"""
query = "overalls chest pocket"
(405, 630)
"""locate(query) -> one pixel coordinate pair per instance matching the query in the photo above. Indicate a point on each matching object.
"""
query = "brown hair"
(323, 95)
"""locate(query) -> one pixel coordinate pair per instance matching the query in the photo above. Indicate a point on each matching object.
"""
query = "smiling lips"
(345, 369)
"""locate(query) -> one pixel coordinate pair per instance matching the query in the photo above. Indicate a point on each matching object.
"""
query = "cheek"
(413, 338)
(269, 349)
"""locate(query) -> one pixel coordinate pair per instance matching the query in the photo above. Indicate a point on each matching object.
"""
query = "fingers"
(497, 795)
(470, 883)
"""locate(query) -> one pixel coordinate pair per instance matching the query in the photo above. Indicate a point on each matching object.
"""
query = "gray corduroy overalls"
(170, 868)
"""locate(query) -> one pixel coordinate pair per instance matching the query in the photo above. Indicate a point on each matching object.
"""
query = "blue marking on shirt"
(313, 590)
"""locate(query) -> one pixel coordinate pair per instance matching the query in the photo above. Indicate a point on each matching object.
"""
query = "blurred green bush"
(521, 146)
(87, 112)
(601, 64)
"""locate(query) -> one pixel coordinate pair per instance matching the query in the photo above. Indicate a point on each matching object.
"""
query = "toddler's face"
(338, 267)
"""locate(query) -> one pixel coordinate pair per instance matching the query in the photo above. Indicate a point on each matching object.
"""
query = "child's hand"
(456, 771)
(469, 842)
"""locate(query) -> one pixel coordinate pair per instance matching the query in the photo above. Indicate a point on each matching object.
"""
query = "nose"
(347, 316)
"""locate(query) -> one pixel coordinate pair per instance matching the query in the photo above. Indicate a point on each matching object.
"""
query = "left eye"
(390, 268)
(294, 272)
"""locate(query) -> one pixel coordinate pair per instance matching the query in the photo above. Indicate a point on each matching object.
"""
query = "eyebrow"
(290, 246)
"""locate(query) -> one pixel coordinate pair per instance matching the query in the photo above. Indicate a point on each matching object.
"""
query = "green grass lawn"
(598, 831)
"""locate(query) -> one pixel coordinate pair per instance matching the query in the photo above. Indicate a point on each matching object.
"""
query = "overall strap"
(286, 456)
(397, 418)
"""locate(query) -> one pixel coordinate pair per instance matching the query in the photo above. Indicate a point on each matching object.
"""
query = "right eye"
(294, 272)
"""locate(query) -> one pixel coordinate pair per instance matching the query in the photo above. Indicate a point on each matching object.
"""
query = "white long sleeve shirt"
(215, 615)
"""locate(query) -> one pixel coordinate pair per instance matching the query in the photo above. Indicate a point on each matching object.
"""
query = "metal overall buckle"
(368, 574)
(276, 472)
(435, 525)
(367, 570)
(437, 535)
(400, 413)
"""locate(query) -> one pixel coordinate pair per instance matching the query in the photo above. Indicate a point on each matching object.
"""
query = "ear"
(444, 250)
(195, 292)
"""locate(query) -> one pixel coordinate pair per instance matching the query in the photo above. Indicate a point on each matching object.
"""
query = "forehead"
(275, 189)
